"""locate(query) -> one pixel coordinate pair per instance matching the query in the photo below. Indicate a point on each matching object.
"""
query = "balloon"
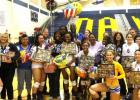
(25, 55)
(51, 5)
(22, 53)
(78, 7)
(69, 6)
(92, 72)
(61, 61)
(70, 11)
(93, 69)
(69, 0)
(81, 72)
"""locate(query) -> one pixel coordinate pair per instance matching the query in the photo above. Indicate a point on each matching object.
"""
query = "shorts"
(115, 90)
(37, 65)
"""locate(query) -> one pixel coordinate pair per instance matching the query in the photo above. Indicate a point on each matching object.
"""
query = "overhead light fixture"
(98, 2)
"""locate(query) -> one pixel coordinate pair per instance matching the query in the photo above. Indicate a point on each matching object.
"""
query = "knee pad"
(42, 83)
(36, 84)
(1, 88)
(66, 81)
(83, 83)
(73, 83)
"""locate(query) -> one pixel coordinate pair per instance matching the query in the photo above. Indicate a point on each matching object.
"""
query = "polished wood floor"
(46, 97)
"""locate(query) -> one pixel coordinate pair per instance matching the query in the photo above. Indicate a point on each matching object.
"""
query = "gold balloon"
(78, 6)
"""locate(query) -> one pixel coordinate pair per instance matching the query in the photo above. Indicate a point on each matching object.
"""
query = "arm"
(72, 61)
(14, 49)
(121, 71)
(75, 57)
(62, 48)
(123, 53)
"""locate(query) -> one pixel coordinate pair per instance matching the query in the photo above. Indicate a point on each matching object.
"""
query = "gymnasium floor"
(24, 93)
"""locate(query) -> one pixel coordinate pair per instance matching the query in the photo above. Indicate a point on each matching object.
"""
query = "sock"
(0, 89)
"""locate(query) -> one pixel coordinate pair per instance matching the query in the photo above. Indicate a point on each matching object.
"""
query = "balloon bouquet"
(72, 10)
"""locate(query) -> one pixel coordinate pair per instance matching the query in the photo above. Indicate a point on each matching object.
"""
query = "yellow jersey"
(119, 74)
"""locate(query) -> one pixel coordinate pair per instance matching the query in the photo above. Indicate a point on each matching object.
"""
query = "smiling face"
(41, 39)
(118, 37)
(58, 36)
(129, 38)
(138, 40)
(105, 40)
(109, 56)
(25, 41)
(4, 38)
(137, 56)
(68, 38)
(85, 46)
(63, 29)
(133, 32)
(45, 33)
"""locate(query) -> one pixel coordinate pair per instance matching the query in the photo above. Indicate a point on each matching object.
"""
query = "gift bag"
(50, 67)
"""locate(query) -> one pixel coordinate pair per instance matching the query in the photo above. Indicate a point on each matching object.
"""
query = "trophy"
(106, 70)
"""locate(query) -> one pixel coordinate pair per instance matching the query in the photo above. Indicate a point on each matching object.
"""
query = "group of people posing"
(81, 54)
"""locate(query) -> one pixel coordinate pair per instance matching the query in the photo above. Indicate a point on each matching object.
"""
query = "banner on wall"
(98, 24)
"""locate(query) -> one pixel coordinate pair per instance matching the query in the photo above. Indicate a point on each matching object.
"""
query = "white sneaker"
(50, 98)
